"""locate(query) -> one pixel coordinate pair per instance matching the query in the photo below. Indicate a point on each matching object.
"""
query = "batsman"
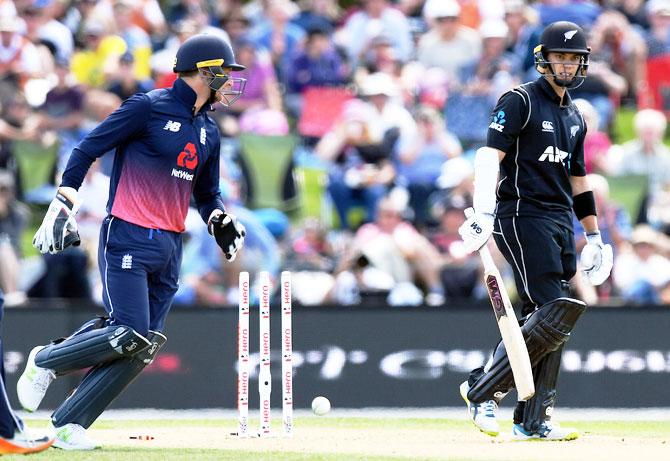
(166, 150)
(529, 179)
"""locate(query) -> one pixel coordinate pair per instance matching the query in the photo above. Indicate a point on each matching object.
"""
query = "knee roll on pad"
(102, 384)
(91, 348)
(544, 331)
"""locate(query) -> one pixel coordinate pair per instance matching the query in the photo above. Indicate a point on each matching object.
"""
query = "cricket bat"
(507, 324)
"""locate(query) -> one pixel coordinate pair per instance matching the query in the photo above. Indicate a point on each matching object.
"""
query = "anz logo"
(498, 122)
(553, 154)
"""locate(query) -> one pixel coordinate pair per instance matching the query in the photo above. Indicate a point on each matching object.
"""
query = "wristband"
(584, 205)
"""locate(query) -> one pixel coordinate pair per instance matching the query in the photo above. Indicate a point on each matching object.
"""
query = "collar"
(551, 94)
(187, 96)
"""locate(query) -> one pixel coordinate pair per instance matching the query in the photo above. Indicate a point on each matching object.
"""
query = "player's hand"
(59, 229)
(228, 232)
(596, 259)
(476, 231)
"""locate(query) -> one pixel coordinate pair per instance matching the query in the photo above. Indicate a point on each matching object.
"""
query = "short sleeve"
(507, 120)
(577, 164)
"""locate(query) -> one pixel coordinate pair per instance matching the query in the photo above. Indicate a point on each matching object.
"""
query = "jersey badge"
(498, 121)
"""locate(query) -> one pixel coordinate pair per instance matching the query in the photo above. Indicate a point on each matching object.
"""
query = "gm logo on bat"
(496, 297)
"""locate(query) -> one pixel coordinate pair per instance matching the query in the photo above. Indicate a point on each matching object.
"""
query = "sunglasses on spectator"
(446, 19)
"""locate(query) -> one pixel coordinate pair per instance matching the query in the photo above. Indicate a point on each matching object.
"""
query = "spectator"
(63, 111)
(523, 36)
(13, 219)
(360, 151)
(162, 60)
(447, 44)
(642, 271)
(262, 89)
(647, 155)
(320, 14)
(236, 25)
(420, 159)
(460, 274)
(311, 259)
(138, 43)
(597, 143)
(317, 65)
(479, 86)
(578, 11)
(376, 18)
(615, 229)
(279, 36)
(382, 92)
(19, 58)
(614, 41)
(658, 35)
(396, 247)
(125, 83)
(42, 27)
(93, 65)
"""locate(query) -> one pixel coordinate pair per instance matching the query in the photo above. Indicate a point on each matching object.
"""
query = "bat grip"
(484, 252)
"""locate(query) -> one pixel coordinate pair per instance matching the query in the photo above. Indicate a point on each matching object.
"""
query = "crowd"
(349, 156)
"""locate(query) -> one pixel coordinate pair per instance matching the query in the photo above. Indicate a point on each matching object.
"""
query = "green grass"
(655, 433)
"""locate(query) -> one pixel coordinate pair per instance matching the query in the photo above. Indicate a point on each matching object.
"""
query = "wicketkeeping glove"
(596, 259)
(228, 232)
(59, 229)
(476, 231)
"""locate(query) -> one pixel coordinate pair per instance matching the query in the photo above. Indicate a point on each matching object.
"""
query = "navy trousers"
(140, 273)
(8, 420)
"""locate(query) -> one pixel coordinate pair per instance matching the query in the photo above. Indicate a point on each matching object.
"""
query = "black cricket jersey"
(544, 145)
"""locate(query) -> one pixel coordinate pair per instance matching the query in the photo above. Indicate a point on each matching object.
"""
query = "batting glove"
(228, 232)
(476, 231)
(59, 229)
(596, 259)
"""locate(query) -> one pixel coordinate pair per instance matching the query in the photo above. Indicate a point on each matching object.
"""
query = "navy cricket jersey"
(163, 154)
(544, 145)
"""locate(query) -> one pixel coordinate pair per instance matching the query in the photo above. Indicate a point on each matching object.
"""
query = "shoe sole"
(7, 448)
(68, 447)
(464, 394)
(566, 438)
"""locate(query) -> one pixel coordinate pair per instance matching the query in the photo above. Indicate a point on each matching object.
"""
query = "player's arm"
(507, 120)
(59, 228)
(226, 229)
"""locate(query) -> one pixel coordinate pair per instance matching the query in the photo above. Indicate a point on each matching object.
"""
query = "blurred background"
(349, 160)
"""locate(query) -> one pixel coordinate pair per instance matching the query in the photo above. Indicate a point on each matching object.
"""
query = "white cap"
(493, 28)
(660, 7)
(441, 9)
(378, 83)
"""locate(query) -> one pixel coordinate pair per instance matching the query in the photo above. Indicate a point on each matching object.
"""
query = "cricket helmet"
(563, 37)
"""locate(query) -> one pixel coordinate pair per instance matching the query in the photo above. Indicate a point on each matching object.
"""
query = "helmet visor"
(228, 89)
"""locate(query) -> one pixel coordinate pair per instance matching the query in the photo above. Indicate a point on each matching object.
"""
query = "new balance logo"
(203, 136)
(553, 154)
(127, 261)
(547, 126)
(181, 174)
(172, 126)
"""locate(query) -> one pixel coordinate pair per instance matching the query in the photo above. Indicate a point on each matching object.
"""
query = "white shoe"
(34, 382)
(483, 414)
(73, 437)
(25, 442)
(547, 432)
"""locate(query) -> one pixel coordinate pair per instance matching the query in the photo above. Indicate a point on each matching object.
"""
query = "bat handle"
(484, 252)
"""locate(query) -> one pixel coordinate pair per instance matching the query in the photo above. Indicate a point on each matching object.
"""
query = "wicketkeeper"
(167, 149)
(529, 179)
